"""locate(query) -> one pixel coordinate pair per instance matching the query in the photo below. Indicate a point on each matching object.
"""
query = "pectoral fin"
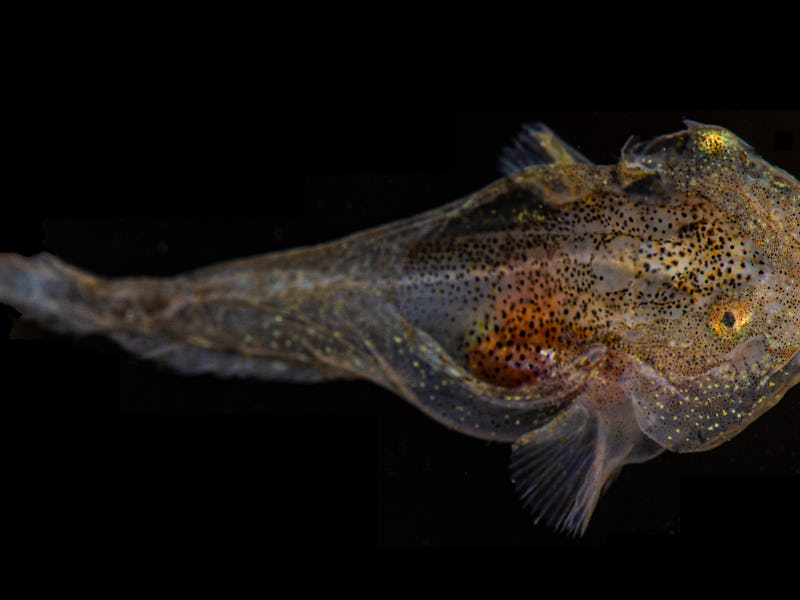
(561, 469)
(557, 470)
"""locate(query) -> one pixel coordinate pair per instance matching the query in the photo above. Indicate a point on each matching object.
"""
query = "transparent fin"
(560, 470)
(48, 290)
(537, 144)
(556, 472)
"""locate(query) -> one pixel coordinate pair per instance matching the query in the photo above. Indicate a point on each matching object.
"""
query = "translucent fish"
(591, 316)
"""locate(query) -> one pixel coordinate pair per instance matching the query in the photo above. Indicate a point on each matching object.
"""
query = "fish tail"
(50, 292)
(267, 322)
(69, 300)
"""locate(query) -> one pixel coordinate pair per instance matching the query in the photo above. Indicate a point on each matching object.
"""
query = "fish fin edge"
(537, 144)
(558, 471)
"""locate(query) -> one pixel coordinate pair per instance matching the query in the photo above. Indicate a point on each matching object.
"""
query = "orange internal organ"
(531, 342)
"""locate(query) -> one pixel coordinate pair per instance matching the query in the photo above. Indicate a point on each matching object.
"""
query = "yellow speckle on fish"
(712, 142)
(526, 215)
(202, 342)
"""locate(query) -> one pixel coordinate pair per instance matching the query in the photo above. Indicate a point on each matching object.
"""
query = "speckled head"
(734, 352)
(712, 162)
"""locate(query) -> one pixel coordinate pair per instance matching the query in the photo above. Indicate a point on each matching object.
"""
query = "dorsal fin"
(537, 144)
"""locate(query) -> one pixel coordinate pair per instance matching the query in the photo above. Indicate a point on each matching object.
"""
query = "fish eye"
(730, 318)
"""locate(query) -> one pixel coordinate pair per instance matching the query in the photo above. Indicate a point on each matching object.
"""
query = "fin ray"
(537, 144)
(557, 470)
(561, 469)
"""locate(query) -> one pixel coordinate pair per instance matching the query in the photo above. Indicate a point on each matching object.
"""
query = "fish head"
(713, 163)
(727, 348)
(718, 370)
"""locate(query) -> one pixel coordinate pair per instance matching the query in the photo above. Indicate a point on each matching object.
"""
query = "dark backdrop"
(343, 462)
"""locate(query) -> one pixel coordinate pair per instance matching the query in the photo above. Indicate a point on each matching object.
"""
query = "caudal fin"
(50, 292)
(242, 319)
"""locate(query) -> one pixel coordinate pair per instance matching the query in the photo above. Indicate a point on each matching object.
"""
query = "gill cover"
(698, 413)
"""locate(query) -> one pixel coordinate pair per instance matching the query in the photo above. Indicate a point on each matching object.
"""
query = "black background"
(168, 187)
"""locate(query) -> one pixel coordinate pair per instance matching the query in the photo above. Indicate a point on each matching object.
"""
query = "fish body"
(592, 316)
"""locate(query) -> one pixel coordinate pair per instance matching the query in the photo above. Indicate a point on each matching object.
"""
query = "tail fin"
(242, 320)
(49, 291)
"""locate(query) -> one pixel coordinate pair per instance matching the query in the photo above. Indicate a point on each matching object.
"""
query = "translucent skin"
(628, 272)
(592, 315)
